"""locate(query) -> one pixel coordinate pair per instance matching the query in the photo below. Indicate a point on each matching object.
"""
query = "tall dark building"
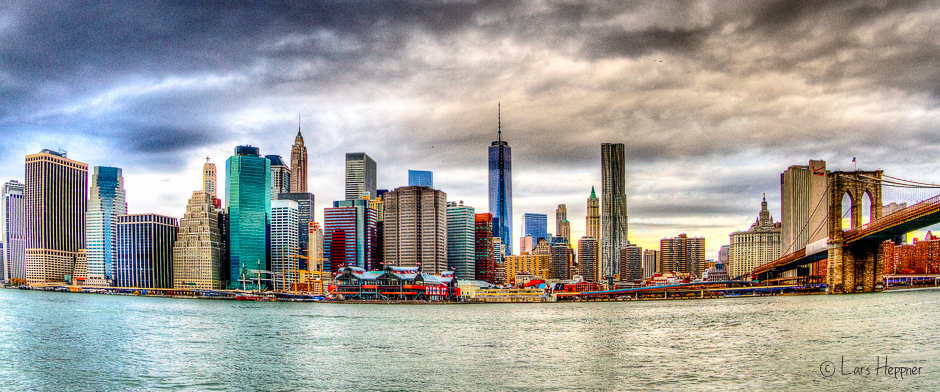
(631, 263)
(144, 251)
(613, 208)
(484, 262)
(501, 189)
(56, 196)
(360, 176)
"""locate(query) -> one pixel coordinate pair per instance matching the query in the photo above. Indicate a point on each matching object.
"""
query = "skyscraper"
(683, 254)
(280, 176)
(285, 246)
(652, 258)
(298, 164)
(500, 163)
(197, 250)
(631, 263)
(484, 251)
(13, 231)
(587, 257)
(561, 215)
(305, 210)
(248, 194)
(416, 228)
(106, 203)
(593, 219)
(564, 230)
(55, 195)
(420, 178)
(613, 207)
(349, 236)
(561, 257)
(461, 238)
(535, 225)
(143, 254)
(360, 176)
(209, 179)
(802, 189)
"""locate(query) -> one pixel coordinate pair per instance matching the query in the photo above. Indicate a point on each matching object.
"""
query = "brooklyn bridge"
(853, 255)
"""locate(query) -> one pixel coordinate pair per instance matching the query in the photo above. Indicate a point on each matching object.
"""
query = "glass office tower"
(105, 203)
(501, 191)
(248, 194)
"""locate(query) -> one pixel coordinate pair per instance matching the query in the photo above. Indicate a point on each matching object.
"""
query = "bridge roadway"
(685, 288)
(917, 216)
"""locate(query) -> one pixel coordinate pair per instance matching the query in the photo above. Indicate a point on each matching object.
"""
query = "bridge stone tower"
(854, 267)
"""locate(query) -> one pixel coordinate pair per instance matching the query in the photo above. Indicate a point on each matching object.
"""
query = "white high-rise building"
(106, 201)
(285, 243)
(13, 231)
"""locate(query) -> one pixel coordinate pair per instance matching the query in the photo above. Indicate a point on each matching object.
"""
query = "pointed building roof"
(593, 195)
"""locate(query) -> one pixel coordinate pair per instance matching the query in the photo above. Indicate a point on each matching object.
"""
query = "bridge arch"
(860, 186)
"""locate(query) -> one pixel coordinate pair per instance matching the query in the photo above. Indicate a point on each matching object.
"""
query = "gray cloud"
(711, 99)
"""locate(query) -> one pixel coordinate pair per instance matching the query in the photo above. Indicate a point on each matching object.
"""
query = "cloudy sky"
(713, 99)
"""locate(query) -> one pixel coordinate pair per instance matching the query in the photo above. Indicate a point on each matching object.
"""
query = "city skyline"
(709, 106)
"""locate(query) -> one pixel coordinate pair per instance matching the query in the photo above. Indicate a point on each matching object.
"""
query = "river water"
(63, 341)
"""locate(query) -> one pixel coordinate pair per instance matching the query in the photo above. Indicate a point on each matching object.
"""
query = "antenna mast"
(499, 121)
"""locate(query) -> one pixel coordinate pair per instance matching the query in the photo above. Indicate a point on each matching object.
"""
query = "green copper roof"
(593, 195)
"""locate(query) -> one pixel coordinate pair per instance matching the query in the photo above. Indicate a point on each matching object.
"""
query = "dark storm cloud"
(711, 99)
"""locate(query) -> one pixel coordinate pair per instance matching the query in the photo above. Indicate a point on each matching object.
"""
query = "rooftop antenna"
(298, 123)
(499, 122)
(207, 158)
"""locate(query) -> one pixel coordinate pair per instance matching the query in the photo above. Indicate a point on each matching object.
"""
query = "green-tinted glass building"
(248, 194)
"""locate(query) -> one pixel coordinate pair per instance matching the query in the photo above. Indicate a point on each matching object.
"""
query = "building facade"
(197, 252)
(561, 215)
(535, 226)
(285, 243)
(416, 228)
(461, 240)
(587, 258)
(613, 207)
(55, 196)
(631, 263)
(539, 265)
(484, 262)
(298, 164)
(280, 176)
(349, 236)
(106, 202)
(757, 246)
(305, 211)
(360, 176)
(248, 194)
(593, 218)
(13, 232)
(500, 191)
(653, 259)
(562, 257)
(210, 179)
(683, 255)
(802, 189)
(420, 178)
(143, 256)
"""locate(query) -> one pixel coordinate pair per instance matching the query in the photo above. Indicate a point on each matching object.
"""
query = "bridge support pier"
(854, 268)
